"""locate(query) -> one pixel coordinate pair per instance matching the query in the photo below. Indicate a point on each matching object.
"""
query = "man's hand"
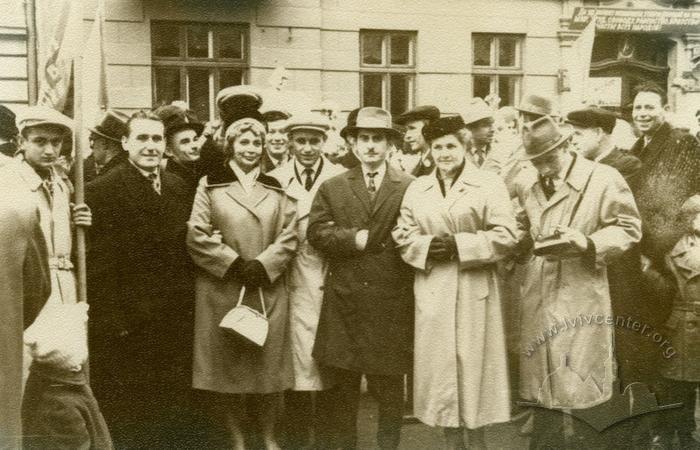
(81, 215)
(442, 248)
(574, 237)
(361, 239)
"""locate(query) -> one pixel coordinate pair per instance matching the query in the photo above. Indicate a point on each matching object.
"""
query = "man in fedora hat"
(416, 159)
(58, 407)
(347, 158)
(8, 134)
(366, 317)
(580, 215)
(300, 179)
(105, 142)
(182, 143)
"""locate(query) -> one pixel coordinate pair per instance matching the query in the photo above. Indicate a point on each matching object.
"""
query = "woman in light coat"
(242, 232)
(454, 225)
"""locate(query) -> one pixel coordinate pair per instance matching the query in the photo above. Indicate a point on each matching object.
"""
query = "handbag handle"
(260, 294)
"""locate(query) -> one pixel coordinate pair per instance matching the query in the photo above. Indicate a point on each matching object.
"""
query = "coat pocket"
(477, 284)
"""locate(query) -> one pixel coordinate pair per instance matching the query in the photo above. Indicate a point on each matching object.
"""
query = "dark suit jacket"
(366, 319)
(90, 170)
(266, 163)
(139, 273)
(425, 167)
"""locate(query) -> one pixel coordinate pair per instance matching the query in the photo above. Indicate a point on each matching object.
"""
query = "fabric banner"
(581, 58)
(59, 32)
(94, 74)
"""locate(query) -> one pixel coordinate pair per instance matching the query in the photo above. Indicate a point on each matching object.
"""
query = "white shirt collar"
(247, 180)
(301, 168)
(146, 173)
(381, 171)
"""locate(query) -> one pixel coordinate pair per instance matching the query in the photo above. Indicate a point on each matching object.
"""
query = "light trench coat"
(305, 277)
(460, 371)
(569, 298)
(226, 223)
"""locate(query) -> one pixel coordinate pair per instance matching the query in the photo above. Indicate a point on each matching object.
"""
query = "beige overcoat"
(567, 327)
(226, 223)
(460, 372)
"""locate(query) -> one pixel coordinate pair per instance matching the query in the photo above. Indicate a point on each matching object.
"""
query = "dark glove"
(254, 274)
(437, 250)
(450, 246)
(235, 270)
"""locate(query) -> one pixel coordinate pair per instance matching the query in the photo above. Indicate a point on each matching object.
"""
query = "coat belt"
(61, 262)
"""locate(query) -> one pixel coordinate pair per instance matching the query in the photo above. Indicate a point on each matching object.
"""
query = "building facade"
(393, 53)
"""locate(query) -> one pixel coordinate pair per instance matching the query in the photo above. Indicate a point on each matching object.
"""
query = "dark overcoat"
(366, 319)
(140, 285)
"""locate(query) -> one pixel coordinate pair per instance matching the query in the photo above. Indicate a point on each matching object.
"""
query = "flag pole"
(79, 180)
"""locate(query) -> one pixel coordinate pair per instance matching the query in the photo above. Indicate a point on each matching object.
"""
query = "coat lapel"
(387, 188)
(358, 186)
(140, 189)
(468, 177)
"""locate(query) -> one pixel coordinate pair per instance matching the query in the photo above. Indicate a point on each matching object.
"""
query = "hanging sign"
(638, 20)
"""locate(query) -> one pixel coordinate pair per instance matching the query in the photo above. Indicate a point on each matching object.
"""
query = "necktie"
(479, 158)
(371, 187)
(309, 181)
(548, 187)
(155, 182)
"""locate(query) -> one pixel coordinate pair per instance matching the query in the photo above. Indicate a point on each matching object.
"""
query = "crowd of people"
(443, 259)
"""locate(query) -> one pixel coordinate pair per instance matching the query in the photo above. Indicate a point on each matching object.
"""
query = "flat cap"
(592, 117)
(476, 110)
(34, 116)
(442, 127)
(308, 121)
(425, 112)
(8, 127)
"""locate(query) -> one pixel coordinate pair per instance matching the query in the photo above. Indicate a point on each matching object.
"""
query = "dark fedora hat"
(592, 117)
(373, 118)
(442, 127)
(8, 127)
(352, 118)
(112, 125)
(538, 105)
(542, 136)
(425, 112)
(177, 119)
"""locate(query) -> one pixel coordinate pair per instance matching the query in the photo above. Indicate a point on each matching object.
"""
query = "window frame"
(385, 69)
(494, 70)
(214, 64)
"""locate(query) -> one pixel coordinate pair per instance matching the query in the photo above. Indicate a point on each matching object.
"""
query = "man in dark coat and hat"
(366, 318)
(105, 142)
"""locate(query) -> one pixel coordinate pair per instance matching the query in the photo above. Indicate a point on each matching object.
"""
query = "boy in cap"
(182, 143)
(300, 179)
(580, 215)
(58, 408)
(276, 151)
(416, 158)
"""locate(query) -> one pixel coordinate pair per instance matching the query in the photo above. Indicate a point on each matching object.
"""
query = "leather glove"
(437, 250)
(235, 270)
(450, 246)
(254, 274)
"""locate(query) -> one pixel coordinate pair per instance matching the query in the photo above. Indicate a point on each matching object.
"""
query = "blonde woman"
(242, 233)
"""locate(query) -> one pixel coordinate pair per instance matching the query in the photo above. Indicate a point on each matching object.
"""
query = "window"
(193, 61)
(497, 67)
(387, 69)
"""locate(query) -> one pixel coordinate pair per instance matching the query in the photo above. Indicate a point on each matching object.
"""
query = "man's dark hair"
(141, 115)
(273, 116)
(649, 86)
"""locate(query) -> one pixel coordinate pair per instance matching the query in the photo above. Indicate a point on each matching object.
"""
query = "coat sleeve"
(412, 244)
(278, 254)
(204, 245)
(620, 226)
(498, 237)
(323, 234)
